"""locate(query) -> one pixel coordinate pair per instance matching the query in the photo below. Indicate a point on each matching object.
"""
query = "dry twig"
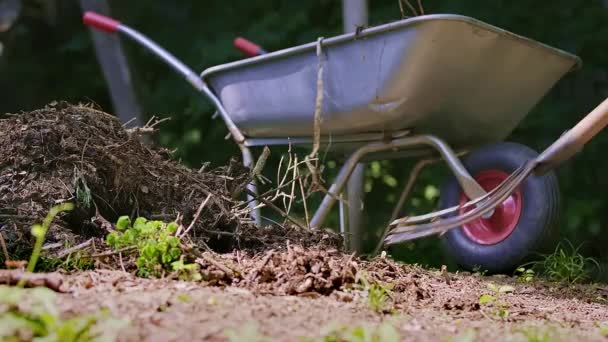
(4, 249)
(110, 253)
(50, 280)
(230, 273)
(70, 250)
(198, 213)
(259, 269)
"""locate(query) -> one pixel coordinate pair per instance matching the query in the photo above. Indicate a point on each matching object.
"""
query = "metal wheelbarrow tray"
(446, 75)
(438, 84)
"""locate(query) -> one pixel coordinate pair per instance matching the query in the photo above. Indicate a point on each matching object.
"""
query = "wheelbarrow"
(445, 87)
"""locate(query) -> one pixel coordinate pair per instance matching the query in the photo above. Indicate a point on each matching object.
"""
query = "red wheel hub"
(505, 217)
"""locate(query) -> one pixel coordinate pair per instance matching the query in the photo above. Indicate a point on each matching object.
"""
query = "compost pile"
(312, 272)
(77, 153)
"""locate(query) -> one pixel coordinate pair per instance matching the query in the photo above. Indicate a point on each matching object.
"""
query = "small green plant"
(478, 270)
(524, 275)
(83, 193)
(378, 295)
(501, 308)
(565, 265)
(39, 232)
(157, 246)
(32, 315)
(383, 332)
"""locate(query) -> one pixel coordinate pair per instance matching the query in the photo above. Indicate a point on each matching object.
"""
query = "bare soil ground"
(423, 306)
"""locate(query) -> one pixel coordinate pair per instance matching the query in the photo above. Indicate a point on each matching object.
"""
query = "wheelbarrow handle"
(106, 24)
(574, 139)
(101, 22)
(247, 47)
(110, 25)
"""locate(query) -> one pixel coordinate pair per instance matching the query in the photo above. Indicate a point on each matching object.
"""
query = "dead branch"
(13, 277)
(401, 9)
(318, 102)
(206, 257)
(71, 250)
(259, 269)
(412, 8)
(4, 249)
(277, 209)
(420, 7)
(198, 213)
(256, 172)
(110, 253)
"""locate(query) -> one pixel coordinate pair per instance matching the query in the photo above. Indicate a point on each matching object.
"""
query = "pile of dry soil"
(76, 153)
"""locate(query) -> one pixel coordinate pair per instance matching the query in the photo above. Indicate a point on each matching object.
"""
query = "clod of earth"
(76, 153)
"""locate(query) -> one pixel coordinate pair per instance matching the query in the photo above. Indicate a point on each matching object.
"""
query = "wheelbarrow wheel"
(523, 224)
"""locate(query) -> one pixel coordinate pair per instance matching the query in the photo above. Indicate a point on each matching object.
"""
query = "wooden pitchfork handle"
(574, 139)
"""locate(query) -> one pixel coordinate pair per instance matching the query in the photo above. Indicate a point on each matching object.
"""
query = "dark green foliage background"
(50, 57)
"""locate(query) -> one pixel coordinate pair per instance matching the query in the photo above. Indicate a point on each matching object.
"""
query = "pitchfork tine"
(425, 217)
(404, 233)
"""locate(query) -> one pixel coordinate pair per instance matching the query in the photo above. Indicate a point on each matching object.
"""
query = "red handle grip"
(100, 22)
(247, 47)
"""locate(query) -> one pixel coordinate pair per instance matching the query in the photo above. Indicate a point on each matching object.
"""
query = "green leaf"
(112, 239)
(173, 241)
(38, 231)
(172, 227)
(123, 223)
(484, 299)
(175, 253)
(140, 223)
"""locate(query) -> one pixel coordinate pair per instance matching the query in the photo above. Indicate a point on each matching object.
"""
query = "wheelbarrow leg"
(253, 203)
(470, 187)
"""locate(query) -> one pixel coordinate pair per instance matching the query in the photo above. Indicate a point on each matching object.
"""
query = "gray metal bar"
(253, 203)
(187, 74)
(354, 14)
(405, 194)
(462, 175)
(362, 137)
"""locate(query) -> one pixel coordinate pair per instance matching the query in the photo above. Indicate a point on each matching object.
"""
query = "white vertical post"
(355, 14)
(115, 67)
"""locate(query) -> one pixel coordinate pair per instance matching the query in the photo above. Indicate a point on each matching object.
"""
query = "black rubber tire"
(536, 229)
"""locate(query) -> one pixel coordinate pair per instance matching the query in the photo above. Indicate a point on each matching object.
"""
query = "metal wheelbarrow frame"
(390, 118)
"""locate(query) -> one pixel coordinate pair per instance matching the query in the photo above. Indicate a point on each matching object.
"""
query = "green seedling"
(501, 308)
(524, 275)
(378, 295)
(157, 247)
(478, 270)
(39, 232)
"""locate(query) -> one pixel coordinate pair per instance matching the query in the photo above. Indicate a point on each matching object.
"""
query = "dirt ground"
(429, 309)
